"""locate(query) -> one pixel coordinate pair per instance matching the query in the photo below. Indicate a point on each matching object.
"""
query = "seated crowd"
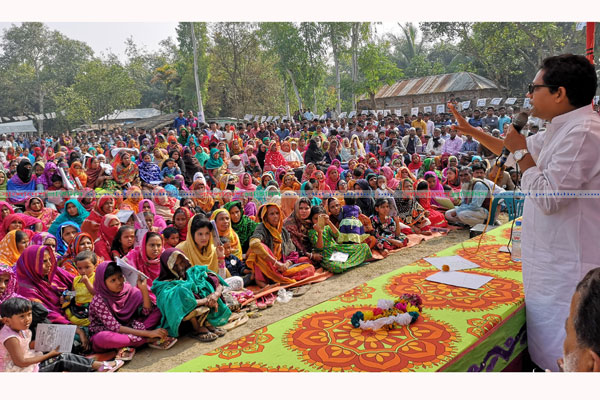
(204, 214)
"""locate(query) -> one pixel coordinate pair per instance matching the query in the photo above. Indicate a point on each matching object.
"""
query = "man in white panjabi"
(560, 233)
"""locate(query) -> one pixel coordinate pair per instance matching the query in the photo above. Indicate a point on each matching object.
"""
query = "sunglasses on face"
(531, 87)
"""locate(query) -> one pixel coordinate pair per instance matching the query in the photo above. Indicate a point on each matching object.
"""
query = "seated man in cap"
(236, 166)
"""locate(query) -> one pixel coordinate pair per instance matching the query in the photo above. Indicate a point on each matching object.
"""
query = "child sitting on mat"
(17, 356)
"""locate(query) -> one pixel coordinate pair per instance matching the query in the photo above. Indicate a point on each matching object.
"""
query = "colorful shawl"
(244, 227)
(212, 162)
(78, 219)
(46, 177)
(236, 247)
(9, 254)
(35, 286)
(46, 215)
(207, 256)
(176, 295)
(149, 171)
(67, 262)
(159, 221)
(123, 305)
(10, 290)
(139, 259)
(106, 236)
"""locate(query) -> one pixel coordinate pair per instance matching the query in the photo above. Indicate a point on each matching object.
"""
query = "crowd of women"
(203, 214)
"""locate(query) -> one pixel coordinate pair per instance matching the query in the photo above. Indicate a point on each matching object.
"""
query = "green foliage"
(107, 87)
(376, 69)
(76, 107)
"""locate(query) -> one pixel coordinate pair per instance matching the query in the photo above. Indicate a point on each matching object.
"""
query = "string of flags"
(51, 115)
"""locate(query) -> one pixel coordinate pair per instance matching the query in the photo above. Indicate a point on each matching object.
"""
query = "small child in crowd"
(16, 354)
(236, 266)
(171, 237)
(77, 308)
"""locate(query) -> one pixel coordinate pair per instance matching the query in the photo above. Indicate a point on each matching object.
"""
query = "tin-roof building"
(431, 91)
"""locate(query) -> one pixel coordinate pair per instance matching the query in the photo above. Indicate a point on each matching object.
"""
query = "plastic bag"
(284, 296)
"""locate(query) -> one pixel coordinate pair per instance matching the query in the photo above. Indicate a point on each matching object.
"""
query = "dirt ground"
(151, 360)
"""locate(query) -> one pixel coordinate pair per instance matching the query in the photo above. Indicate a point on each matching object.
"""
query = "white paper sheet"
(124, 215)
(129, 272)
(504, 249)
(460, 279)
(456, 263)
(338, 256)
(50, 336)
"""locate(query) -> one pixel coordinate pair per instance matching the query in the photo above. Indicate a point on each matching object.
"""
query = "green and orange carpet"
(459, 330)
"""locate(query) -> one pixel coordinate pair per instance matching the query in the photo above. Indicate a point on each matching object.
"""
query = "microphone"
(518, 123)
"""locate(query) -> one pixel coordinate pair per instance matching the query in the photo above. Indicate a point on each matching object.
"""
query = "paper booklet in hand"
(130, 273)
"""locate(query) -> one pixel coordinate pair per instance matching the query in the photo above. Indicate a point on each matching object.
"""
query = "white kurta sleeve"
(571, 167)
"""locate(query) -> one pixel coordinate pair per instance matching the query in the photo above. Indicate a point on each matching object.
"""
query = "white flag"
(580, 26)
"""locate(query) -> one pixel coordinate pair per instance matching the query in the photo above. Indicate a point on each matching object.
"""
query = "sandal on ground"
(235, 323)
(270, 300)
(217, 331)
(165, 344)
(107, 367)
(204, 336)
(125, 354)
(260, 303)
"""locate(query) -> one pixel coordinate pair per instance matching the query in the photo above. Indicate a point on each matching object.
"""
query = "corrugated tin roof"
(18, 127)
(134, 113)
(445, 83)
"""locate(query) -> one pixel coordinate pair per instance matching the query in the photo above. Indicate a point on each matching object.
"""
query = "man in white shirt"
(560, 233)
(436, 143)
(430, 124)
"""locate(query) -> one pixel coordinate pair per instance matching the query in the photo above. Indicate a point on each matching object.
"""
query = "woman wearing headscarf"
(125, 172)
(201, 155)
(165, 204)
(81, 242)
(245, 183)
(181, 218)
(425, 196)
(146, 257)
(415, 163)
(95, 173)
(91, 225)
(35, 208)
(272, 255)
(242, 225)
(203, 198)
(357, 148)
(332, 177)
(289, 183)
(199, 245)
(44, 239)
(223, 223)
(298, 224)
(290, 156)
(190, 293)
(410, 210)
(149, 171)
(73, 212)
(273, 158)
(125, 317)
(314, 154)
(175, 154)
(108, 231)
(147, 205)
(392, 182)
(191, 166)
(11, 247)
(77, 173)
(428, 165)
(40, 280)
(21, 183)
(214, 165)
(333, 153)
(3, 184)
(452, 162)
